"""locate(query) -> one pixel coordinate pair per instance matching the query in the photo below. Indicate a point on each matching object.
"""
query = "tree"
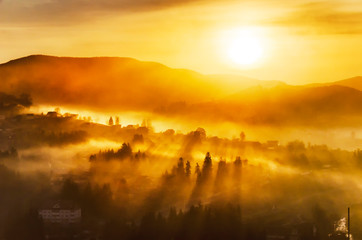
(117, 120)
(26, 226)
(110, 121)
(220, 184)
(197, 169)
(237, 177)
(201, 132)
(70, 190)
(221, 171)
(180, 167)
(124, 151)
(207, 166)
(242, 136)
(138, 138)
(198, 173)
(188, 169)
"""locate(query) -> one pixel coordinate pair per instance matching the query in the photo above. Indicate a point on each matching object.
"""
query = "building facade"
(60, 212)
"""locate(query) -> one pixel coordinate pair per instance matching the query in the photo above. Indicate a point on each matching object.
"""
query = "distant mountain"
(327, 106)
(118, 84)
(355, 82)
(113, 83)
(241, 82)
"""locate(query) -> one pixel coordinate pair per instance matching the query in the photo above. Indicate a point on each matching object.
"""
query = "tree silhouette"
(180, 167)
(188, 169)
(242, 136)
(110, 121)
(198, 172)
(207, 167)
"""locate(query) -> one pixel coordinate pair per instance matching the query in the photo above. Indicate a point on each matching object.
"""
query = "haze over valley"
(180, 120)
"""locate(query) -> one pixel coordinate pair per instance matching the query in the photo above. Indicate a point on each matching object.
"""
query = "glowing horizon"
(312, 39)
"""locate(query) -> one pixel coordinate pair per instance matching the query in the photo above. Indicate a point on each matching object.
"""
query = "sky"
(299, 41)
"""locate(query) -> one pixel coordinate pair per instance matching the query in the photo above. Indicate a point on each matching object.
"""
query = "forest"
(134, 183)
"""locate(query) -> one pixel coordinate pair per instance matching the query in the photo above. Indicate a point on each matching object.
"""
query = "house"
(272, 144)
(338, 236)
(53, 114)
(294, 231)
(60, 212)
(29, 116)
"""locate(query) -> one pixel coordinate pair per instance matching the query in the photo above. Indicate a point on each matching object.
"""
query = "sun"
(244, 47)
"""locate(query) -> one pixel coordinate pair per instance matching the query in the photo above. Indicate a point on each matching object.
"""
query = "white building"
(61, 212)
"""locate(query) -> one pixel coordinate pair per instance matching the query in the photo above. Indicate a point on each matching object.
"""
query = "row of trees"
(115, 122)
(125, 152)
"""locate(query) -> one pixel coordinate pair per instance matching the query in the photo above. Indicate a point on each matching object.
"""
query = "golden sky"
(301, 41)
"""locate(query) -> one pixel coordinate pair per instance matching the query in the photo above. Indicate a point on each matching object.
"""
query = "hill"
(109, 83)
(354, 82)
(327, 106)
(126, 84)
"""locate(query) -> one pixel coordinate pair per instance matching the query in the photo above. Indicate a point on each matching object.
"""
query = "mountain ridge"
(126, 84)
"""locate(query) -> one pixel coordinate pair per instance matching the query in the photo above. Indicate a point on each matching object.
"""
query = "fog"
(146, 159)
(133, 171)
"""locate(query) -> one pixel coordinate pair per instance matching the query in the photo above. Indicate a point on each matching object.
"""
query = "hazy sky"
(301, 41)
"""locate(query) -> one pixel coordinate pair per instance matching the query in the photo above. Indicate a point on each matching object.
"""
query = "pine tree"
(180, 167)
(188, 169)
(198, 173)
(110, 122)
(207, 166)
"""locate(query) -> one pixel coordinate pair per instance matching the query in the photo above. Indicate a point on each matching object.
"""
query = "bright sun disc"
(244, 48)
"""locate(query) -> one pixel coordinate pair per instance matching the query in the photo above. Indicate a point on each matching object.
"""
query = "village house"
(60, 212)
